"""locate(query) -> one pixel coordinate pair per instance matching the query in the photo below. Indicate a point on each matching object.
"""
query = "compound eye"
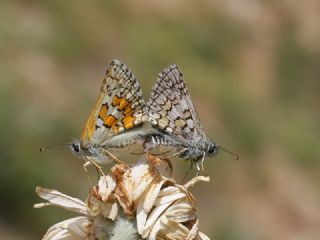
(76, 147)
(212, 149)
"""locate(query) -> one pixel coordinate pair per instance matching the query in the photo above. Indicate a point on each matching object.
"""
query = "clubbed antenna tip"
(236, 156)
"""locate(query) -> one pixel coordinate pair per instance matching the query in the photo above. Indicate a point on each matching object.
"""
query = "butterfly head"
(86, 151)
(76, 147)
(212, 148)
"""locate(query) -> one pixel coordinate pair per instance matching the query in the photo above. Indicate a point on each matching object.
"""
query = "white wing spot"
(99, 122)
(190, 123)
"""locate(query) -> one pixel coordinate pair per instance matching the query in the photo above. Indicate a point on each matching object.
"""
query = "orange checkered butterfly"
(115, 119)
(171, 111)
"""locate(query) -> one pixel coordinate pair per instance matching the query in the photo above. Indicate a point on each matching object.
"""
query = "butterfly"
(170, 110)
(115, 119)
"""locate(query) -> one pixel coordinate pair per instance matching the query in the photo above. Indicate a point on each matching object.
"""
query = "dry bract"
(140, 202)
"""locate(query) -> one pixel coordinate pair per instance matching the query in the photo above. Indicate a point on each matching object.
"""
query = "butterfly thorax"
(199, 148)
(88, 150)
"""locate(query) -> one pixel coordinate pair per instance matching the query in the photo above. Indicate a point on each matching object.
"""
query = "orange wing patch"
(125, 106)
(122, 103)
(128, 121)
(110, 121)
(103, 111)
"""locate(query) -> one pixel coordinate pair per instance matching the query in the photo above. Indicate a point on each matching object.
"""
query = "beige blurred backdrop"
(252, 68)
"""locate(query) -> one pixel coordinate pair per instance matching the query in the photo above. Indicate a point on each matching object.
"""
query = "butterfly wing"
(170, 107)
(119, 106)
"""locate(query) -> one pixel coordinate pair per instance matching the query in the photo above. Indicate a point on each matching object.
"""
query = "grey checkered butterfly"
(170, 110)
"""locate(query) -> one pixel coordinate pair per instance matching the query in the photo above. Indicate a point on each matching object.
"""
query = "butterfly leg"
(85, 165)
(180, 152)
(161, 153)
(202, 160)
(98, 173)
(168, 161)
(93, 162)
(115, 159)
(199, 166)
(155, 154)
(155, 160)
(167, 158)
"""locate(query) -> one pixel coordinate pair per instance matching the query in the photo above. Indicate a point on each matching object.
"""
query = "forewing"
(170, 107)
(119, 106)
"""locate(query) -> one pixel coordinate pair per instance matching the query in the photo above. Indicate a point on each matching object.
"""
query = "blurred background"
(252, 68)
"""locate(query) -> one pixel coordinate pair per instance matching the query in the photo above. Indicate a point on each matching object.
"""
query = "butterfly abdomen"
(156, 140)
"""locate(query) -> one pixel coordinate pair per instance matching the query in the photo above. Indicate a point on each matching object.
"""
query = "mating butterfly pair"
(121, 117)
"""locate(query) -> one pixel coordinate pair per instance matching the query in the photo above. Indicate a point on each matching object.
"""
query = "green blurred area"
(252, 68)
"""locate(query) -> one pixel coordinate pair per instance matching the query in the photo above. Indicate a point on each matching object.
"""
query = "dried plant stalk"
(135, 203)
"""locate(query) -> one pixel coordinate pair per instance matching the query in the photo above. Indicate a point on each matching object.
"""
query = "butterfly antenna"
(232, 153)
(54, 146)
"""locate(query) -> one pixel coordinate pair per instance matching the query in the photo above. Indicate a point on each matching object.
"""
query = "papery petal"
(59, 199)
(197, 179)
(169, 198)
(172, 230)
(169, 191)
(152, 233)
(141, 179)
(109, 210)
(134, 183)
(194, 231)
(153, 218)
(145, 203)
(202, 236)
(152, 194)
(168, 230)
(181, 211)
(74, 228)
(170, 217)
(172, 207)
(141, 217)
(106, 186)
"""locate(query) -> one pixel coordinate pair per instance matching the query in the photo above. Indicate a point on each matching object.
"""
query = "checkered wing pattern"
(119, 106)
(170, 107)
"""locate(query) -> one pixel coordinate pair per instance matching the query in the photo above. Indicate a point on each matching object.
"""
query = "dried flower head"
(136, 203)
